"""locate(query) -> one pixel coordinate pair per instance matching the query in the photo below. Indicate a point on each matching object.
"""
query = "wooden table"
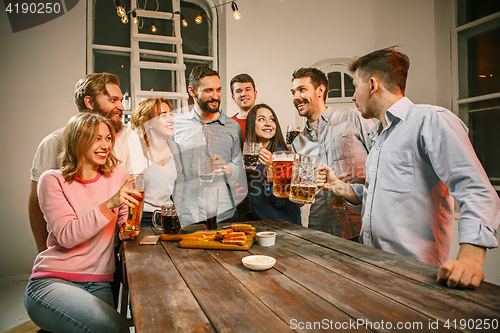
(319, 283)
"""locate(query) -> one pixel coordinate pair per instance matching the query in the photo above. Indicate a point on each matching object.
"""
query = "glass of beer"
(211, 204)
(282, 173)
(133, 223)
(291, 133)
(338, 200)
(206, 169)
(304, 174)
(251, 155)
(169, 221)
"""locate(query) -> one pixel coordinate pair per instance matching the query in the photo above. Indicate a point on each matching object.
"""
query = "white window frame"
(337, 65)
(207, 5)
(461, 105)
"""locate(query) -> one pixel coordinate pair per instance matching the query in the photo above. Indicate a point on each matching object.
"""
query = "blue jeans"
(57, 305)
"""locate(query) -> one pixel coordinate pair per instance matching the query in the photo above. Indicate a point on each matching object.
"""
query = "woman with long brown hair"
(263, 127)
(69, 289)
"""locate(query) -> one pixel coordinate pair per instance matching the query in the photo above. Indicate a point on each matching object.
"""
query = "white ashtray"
(258, 263)
(266, 238)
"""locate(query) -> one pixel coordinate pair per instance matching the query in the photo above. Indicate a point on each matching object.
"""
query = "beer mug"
(304, 174)
(251, 155)
(169, 222)
(135, 213)
(282, 173)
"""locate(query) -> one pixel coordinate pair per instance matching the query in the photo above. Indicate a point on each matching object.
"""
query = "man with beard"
(244, 94)
(205, 134)
(339, 138)
(100, 93)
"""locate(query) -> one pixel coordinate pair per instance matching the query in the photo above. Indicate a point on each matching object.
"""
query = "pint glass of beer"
(135, 213)
(291, 133)
(304, 174)
(211, 204)
(338, 200)
(282, 173)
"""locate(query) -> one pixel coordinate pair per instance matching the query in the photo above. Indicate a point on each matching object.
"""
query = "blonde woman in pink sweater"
(69, 288)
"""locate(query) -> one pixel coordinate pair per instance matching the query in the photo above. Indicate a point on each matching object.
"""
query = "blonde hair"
(79, 135)
(144, 112)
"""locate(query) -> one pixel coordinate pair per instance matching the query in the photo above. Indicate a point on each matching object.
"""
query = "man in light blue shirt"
(420, 155)
(207, 133)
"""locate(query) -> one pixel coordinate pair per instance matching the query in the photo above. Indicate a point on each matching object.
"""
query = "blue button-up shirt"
(196, 138)
(416, 161)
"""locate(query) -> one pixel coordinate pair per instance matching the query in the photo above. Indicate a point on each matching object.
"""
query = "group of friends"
(398, 173)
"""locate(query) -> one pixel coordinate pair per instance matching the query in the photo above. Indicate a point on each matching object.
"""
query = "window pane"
(484, 64)
(163, 27)
(484, 136)
(195, 37)
(335, 86)
(108, 28)
(158, 80)
(117, 63)
(348, 85)
(157, 46)
(471, 10)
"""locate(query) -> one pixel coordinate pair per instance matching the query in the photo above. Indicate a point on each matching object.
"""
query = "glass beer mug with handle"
(169, 221)
(282, 173)
(304, 173)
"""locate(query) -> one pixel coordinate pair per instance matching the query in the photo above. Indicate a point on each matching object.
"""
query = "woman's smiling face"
(265, 127)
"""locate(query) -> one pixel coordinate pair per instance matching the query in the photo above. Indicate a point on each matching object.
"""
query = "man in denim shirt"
(338, 137)
(420, 155)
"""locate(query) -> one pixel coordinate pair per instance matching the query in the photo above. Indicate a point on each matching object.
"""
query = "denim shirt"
(417, 160)
(342, 136)
(196, 138)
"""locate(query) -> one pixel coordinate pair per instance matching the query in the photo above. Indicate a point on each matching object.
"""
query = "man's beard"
(117, 125)
(205, 107)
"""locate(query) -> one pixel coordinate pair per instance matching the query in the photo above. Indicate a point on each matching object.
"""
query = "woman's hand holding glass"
(123, 196)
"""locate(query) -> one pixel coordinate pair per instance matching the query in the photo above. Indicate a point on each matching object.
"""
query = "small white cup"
(266, 238)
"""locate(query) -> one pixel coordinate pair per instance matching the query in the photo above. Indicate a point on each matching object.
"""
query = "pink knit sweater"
(81, 227)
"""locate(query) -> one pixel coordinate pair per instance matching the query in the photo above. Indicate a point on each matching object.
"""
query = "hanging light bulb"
(236, 13)
(184, 21)
(199, 18)
(119, 9)
(153, 27)
(125, 19)
(134, 17)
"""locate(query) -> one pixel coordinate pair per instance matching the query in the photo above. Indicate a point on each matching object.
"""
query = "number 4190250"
(33, 8)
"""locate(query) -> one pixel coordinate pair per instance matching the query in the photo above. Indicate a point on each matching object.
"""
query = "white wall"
(39, 67)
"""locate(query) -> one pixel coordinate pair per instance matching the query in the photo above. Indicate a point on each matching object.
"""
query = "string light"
(184, 21)
(153, 27)
(199, 18)
(134, 17)
(119, 9)
(125, 19)
(236, 13)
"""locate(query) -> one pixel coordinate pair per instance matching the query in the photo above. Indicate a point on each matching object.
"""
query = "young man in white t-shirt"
(100, 93)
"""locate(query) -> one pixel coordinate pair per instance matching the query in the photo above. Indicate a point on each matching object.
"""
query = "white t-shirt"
(160, 186)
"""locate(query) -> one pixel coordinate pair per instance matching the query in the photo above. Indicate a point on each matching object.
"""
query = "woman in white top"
(154, 122)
